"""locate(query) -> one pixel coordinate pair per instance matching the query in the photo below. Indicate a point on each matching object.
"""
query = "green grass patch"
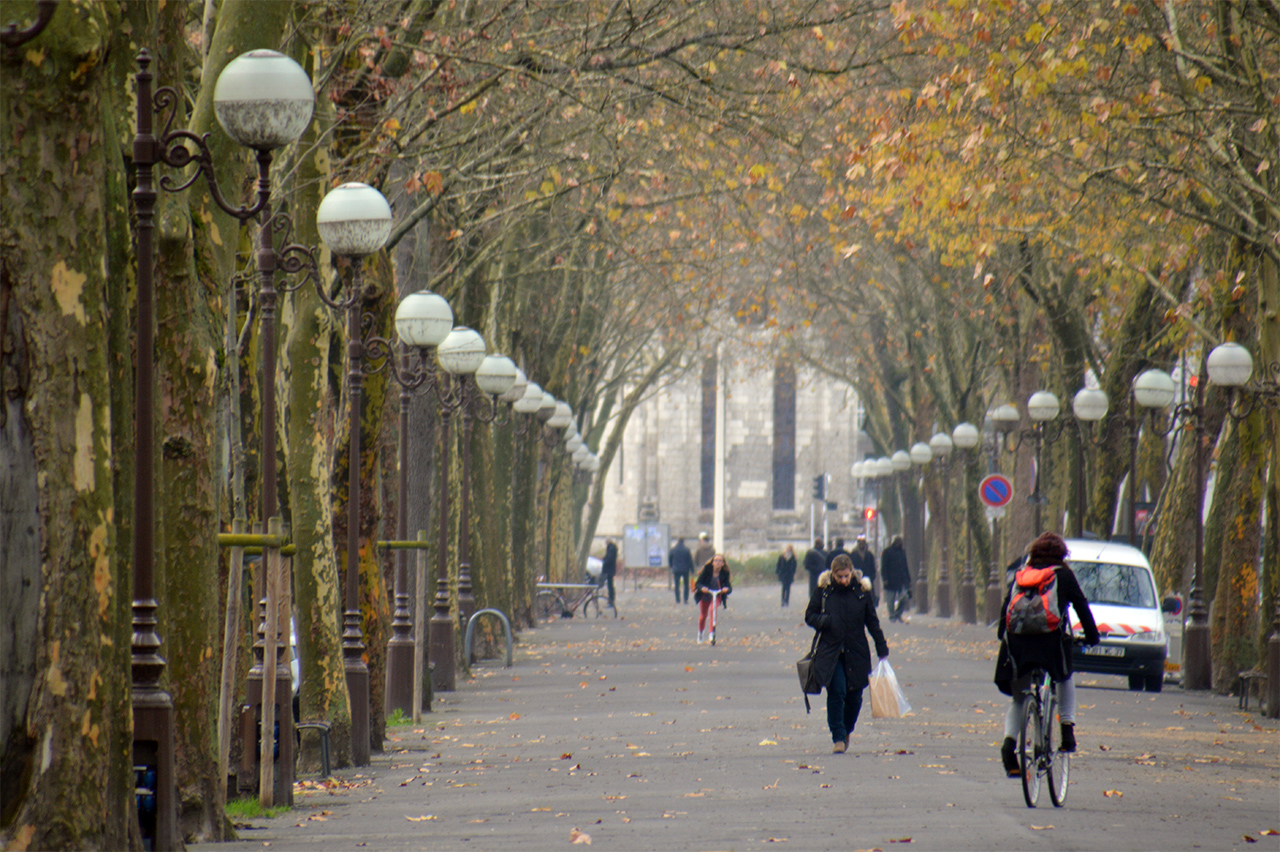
(251, 808)
(398, 718)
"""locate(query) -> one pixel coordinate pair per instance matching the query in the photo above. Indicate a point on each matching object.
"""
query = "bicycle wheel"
(1028, 748)
(1058, 762)
(548, 605)
(592, 605)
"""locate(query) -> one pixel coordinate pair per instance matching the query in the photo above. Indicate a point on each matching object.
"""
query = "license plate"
(1104, 651)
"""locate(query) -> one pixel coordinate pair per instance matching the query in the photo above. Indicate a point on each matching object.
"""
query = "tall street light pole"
(941, 444)
(1151, 389)
(921, 454)
(1231, 366)
(966, 436)
(1042, 408)
(1089, 406)
(354, 221)
(423, 320)
(263, 100)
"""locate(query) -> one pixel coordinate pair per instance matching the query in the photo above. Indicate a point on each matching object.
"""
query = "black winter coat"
(815, 561)
(864, 561)
(893, 568)
(843, 615)
(708, 578)
(609, 565)
(1051, 651)
(786, 569)
(681, 559)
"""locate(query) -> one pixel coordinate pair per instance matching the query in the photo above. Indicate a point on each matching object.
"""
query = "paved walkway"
(629, 733)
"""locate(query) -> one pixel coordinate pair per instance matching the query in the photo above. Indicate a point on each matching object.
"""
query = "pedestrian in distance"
(843, 614)
(702, 555)
(1021, 651)
(713, 576)
(815, 562)
(681, 567)
(786, 572)
(609, 568)
(836, 550)
(897, 579)
(864, 562)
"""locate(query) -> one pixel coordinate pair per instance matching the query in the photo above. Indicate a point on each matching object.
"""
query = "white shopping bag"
(887, 700)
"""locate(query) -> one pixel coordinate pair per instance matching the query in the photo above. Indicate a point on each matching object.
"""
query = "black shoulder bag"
(804, 667)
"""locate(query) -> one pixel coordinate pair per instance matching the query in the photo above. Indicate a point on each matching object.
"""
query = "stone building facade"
(783, 427)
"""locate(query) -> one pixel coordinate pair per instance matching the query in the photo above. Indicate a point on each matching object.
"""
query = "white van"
(1121, 589)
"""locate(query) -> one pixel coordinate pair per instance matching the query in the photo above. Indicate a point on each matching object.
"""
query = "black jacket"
(1051, 651)
(681, 559)
(815, 561)
(708, 579)
(843, 616)
(609, 565)
(893, 563)
(785, 569)
(864, 561)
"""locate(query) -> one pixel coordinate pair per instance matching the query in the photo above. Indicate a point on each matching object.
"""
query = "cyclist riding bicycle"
(1024, 649)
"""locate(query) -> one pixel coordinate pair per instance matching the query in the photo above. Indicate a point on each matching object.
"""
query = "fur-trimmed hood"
(824, 579)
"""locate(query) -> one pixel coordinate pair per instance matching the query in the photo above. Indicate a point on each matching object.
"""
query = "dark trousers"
(843, 704)
(607, 582)
(786, 592)
(682, 581)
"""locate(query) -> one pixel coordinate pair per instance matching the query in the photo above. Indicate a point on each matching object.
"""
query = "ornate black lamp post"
(966, 437)
(921, 454)
(1089, 406)
(1231, 366)
(1151, 389)
(423, 321)
(354, 221)
(263, 100)
(941, 445)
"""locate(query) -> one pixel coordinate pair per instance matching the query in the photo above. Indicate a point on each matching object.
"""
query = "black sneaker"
(1008, 754)
(1068, 737)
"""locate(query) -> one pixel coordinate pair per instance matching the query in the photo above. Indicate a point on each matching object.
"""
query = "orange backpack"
(1033, 605)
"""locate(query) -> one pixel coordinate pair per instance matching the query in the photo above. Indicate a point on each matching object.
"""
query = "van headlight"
(1150, 637)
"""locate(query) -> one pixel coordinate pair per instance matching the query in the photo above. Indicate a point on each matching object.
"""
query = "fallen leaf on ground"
(423, 818)
(767, 742)
(900, 840)
(1248, 839)
(514, 716)
(1041, 828)
(1112, 793)
(776, 840)
(1269, 832)
(576, 837)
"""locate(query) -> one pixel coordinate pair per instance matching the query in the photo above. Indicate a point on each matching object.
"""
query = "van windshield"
(1118, 585)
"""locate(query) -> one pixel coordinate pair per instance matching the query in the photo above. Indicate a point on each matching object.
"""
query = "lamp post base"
(922, 594)
(1273, 676)
(358, 690)
(993, 604)
(1197, 661)
(153, 766)
(944, 597)
(968, 602)
(441, 652)
(400, 675)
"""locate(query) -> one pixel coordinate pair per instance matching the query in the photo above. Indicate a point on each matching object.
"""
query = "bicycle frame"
(1038, 757)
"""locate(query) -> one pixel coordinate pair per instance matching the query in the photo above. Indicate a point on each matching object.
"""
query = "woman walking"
(897, 579)
(842, 612)
(786, 571)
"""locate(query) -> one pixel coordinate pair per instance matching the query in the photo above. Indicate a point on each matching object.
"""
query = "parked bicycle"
(1038, 753)
(563, 600)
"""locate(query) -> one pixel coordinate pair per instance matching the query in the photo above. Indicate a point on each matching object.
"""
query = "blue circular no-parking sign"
(995, 491)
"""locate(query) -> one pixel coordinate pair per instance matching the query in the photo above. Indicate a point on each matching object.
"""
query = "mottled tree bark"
(66, 734)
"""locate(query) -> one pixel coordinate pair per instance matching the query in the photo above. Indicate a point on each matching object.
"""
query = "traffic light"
(869, 513)
(820, 487)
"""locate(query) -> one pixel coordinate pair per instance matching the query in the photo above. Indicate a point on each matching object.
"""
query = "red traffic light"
(869, 513)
